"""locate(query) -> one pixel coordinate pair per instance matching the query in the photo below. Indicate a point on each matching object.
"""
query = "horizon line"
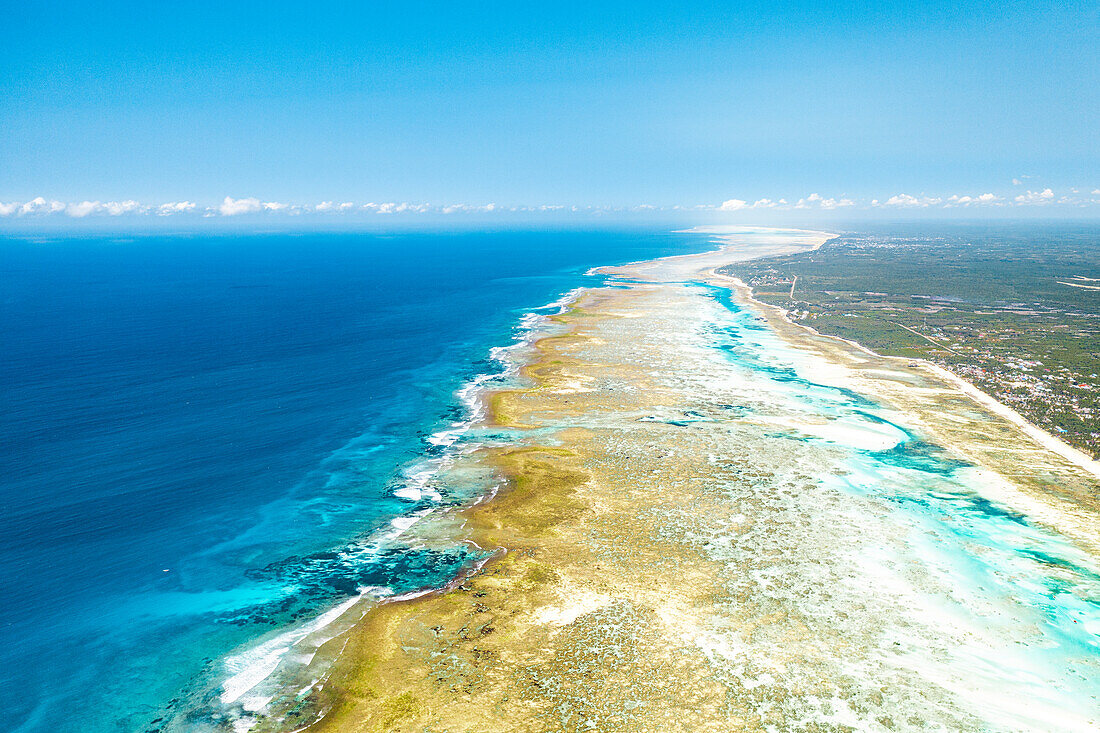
(1071, 199)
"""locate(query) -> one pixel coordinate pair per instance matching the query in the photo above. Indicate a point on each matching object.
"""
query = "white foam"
(419, 478)
(249, 668)
(403, 523)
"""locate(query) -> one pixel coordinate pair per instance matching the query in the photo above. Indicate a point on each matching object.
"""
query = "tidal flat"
(713, 519)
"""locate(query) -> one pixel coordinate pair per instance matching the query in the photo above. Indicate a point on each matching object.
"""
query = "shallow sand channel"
(719, 521)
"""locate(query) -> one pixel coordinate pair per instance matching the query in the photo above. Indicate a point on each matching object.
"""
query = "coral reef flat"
(714, 519)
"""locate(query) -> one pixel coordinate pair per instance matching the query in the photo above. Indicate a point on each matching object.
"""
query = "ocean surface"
(203, 436)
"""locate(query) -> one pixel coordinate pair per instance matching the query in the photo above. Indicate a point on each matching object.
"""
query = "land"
(1012, 312)
(665, 560)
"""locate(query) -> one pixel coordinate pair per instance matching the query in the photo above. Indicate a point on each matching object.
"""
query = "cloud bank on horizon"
(1075, 199)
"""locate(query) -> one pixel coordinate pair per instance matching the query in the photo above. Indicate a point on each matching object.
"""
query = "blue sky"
(599, 106)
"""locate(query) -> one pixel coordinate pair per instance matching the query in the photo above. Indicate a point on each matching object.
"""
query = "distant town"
(1017, 318)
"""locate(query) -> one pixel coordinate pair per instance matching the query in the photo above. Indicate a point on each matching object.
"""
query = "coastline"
(386, 677)
(1049, 441)
(1050, 491)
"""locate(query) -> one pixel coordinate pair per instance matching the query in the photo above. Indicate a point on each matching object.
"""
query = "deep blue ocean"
(192, 424)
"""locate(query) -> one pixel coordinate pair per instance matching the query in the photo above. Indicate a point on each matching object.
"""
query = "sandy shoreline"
(1049, 441)
(603, 609)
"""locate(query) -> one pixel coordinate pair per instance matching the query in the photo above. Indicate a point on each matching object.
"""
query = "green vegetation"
(1016, 312)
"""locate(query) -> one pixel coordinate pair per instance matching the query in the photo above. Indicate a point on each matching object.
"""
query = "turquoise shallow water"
(205, 436)
(988, 603)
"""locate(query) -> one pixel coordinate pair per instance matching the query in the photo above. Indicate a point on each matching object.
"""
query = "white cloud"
(472, 208)
(980, 199)
(39, 205)
(393, 207)
(1036, 197)
(904, 200)
(901, 199)
(79, 211)
(117, 208)
(829, 204)
(816, 200)
(175, 207)
(813, 201)
(331, 206)
(232, 207)
(82, 209)
(733, 205)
